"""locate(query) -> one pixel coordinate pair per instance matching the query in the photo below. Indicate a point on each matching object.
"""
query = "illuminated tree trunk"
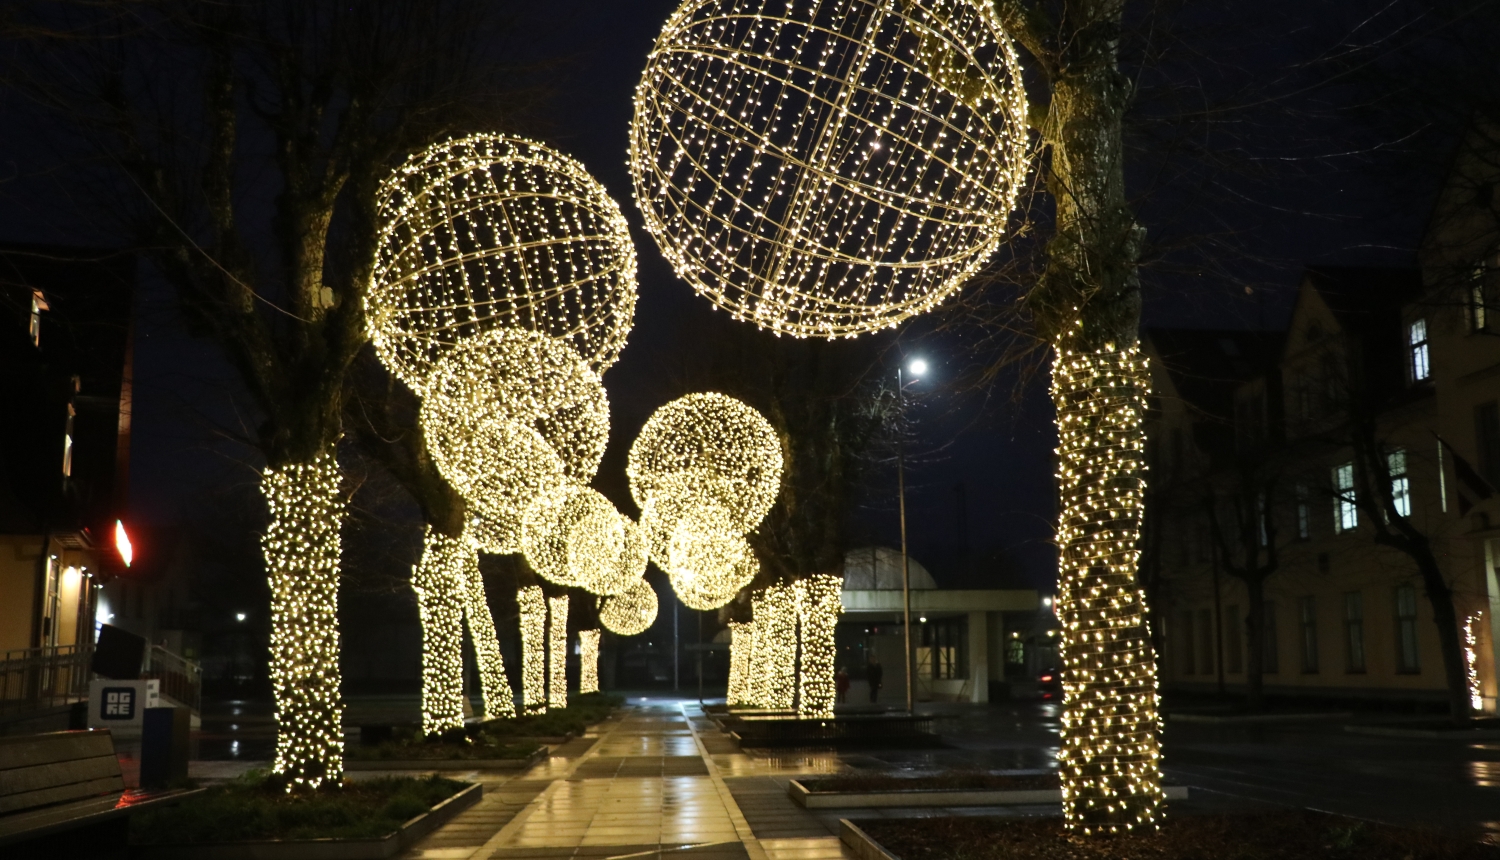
(741, 646)
(775, 660)
(557, 651)
(301, 547)
(1109, 760)
(533, 621)
(588, 661)
(818, 607)
(499, 698)
(438, 580)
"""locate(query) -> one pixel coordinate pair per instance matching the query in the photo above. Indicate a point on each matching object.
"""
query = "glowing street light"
(918, 366)
(240, 617)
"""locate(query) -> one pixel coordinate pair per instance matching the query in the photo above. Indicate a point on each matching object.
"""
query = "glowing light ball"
(511, 374)
(628, 566)
(500, 466)
(728, 447)
(629, 613)
(707, 558)
(826, 168)
(488, 231)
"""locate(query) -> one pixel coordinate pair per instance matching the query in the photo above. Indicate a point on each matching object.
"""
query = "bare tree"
(246, 141)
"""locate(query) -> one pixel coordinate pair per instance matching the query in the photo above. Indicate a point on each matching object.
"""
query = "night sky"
(1247, 235)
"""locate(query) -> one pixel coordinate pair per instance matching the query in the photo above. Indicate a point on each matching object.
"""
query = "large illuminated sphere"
(488, 231)
(629, 567)
(707, 569)
(512, 374)
(629, 613)
(729, 448)
(499, 467)
(827, 168)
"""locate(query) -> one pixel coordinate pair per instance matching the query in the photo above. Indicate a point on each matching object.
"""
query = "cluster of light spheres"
(574, 537)
(630, 613)
(532, 606)
(500, 467)
(828, 168)
(486, 232)
(301, 547)
(1109, 761)
(440, 584)
(588, 661)
(705, 470)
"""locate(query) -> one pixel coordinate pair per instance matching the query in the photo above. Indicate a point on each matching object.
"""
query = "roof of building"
(1201, 362)
(878, 568)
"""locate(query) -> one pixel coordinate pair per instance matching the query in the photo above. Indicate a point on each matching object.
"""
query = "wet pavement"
(661, 777)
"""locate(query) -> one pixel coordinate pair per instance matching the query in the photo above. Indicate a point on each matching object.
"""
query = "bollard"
(164, 747)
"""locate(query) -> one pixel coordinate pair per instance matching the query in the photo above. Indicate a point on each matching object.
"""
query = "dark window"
(1304, 513)
(1234, 656)
(1478, 305)
(1406, 629)
(1487, 437)
(1186, 643)
(1354, 631)
(1206, 661)
(1308, 610)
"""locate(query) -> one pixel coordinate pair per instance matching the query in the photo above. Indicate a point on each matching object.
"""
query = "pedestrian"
(873, 674)
(841, 685)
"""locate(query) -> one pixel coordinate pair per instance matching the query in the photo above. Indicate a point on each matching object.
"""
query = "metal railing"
(46, 677)
(181, 678)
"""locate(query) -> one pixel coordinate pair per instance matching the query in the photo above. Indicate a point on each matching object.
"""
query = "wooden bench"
(66, 781)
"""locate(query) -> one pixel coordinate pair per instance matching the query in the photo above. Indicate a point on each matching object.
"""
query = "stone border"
(319, 849)
(861, 844)
(934, 797)
(1253, 719)
(366, 764)
(1463, 735)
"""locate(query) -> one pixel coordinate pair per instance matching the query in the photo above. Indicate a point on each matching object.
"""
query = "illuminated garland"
(533, 623)
(575, 537)
(829, 169)
(1110, 760)
(1471, 662)
(301, 547)
(499, 466)
(439, 582)
(557, 652)
(630, 613)
(698, 544)
(818, 606)
(741, 640)
(499, 698)
(775, 660)
(511, 374)
(487, 231)
(630, 566)
(588, 661)
(729, 449)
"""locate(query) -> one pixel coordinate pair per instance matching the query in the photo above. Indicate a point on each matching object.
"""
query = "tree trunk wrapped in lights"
(533, 623)
(1110, 759)
(557, 651)
(774, 669)
(588, 661)
(301, 547)
(439, 583)
(818, 607)
(499, 698)
(741, 644)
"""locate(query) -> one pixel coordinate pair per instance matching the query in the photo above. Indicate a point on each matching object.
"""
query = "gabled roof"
(1365, 299)
(1206, 365)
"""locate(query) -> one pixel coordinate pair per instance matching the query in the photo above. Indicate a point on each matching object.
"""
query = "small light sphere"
(500, 466)
(830, 168)
(488, 231)
(630, 613)
(239, 616)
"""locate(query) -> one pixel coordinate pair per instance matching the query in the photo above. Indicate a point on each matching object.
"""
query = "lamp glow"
(122, 544)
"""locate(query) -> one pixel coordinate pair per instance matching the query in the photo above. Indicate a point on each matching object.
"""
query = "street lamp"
(918, 368)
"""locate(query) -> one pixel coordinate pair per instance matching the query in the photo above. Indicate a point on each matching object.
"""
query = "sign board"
(121, 705)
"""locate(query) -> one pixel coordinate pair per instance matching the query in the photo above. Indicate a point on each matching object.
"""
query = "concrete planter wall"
(933, 797)
(447, 764)
(319, 849)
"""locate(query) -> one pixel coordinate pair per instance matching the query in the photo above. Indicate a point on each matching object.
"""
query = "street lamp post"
(918, 368)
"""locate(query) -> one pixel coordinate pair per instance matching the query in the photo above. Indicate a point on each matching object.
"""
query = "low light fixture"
(240, 617)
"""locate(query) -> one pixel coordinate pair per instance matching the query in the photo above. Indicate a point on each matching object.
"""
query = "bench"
(66, 781)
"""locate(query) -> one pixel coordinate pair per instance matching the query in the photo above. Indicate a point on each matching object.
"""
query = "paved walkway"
(656, 781)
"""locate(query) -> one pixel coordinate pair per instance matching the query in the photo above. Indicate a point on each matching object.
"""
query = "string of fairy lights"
(499, 698)
(439, 582)
(532, 606)
(1110, 759)
(774, 660)
(557, 651)
(588, 661)
(301, 547)
(818, 608)
(1471, 661)
(741, 640)
(829, 169)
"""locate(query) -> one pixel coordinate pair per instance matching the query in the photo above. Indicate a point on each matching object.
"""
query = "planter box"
(319, 849)
(1425, 734)
(447, 763)
(934, 797)
(860, 844)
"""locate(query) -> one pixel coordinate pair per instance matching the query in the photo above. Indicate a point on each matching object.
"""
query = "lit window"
(38, 304)
(67, 463)
(1478, 311)
(1345, 513)
(1400, 484)
(1421, 364)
